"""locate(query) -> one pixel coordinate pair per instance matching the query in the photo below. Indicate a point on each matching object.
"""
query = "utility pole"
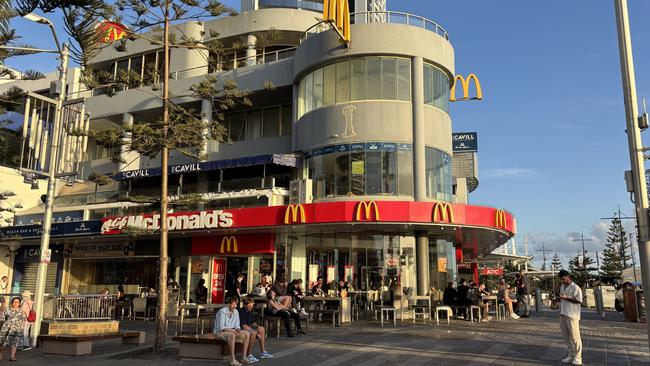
(544, 250)
(584, 252)
(633, 260)
(634, 142)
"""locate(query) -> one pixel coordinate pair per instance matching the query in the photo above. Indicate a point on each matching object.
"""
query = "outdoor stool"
(501, 311)
(388, 309)
(471, 312)
(444, 308)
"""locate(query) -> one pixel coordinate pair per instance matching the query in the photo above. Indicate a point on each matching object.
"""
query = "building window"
(436, 88)
(268, 122)
(438, 175)
(361, 169)
(363, 78)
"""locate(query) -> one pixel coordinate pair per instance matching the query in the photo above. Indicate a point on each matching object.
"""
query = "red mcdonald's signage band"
(443, 212)
(295, 214)
(226, 243)
(363, 211)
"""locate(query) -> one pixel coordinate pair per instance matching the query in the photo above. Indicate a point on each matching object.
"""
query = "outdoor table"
(343, 305)
(492, 298)
(198, 308)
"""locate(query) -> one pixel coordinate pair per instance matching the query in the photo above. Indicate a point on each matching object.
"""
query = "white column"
(206, 120)
(129, 160)
(251, 51)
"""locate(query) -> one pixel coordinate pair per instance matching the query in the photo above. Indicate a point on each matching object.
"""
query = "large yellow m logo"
(363, 211)
(295, 214)
(464, 83)
(443, 212)
(226, 242)
(500, 219)
(337, 13)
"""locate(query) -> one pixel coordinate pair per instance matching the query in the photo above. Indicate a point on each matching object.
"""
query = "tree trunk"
(161, 323)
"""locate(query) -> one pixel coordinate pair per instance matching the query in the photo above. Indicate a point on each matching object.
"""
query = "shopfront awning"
(278, 159)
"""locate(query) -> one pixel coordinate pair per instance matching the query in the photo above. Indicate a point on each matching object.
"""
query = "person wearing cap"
(26, 307)
(570, 308)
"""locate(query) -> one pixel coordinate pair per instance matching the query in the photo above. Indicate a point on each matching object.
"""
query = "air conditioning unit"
(300, 191)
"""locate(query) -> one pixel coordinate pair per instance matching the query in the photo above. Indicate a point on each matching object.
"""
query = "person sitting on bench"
(227, 329)
(247, 322)
(276, 308)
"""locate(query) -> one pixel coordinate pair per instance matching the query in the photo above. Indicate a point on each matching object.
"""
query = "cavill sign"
(175, 221)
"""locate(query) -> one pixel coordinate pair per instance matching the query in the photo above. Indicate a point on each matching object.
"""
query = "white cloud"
(517, 173)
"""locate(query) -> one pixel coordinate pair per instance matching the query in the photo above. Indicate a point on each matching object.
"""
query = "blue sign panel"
(373, 146)
(464, 141)
(328, 149)
(390, 147)
(57, 217)
(404, 147)
(90, 227)
(342, 148)
(357, 147)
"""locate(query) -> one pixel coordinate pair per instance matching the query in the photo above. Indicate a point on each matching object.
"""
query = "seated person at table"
(450, 295)
(276, 308)
(227, 329)
(483, 290)
(503, 297)
(248, 324)
(462, 298)
(474, 297)
(296, 296)
(318, 289)
(201, 292)
(280, 287)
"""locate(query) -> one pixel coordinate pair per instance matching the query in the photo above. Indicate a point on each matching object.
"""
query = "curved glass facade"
(438, 174)
(373, 168)
(436, 88)
(361, 78)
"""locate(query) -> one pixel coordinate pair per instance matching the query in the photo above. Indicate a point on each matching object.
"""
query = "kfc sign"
(491, 271)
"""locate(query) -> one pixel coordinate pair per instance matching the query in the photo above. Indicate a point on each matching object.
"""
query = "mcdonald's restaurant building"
(345, 170)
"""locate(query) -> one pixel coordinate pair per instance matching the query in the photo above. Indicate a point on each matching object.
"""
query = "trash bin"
(634, 303)
(538, 299)
(598, 299)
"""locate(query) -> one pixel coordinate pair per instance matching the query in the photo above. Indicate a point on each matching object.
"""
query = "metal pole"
(49, 205)
(634, 143)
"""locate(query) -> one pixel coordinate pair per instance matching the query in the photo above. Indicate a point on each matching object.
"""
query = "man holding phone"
(570, 308)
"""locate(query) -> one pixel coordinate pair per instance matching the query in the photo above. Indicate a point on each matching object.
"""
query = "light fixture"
(36, 18)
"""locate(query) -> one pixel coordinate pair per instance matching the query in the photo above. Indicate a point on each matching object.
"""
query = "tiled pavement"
(534, 341)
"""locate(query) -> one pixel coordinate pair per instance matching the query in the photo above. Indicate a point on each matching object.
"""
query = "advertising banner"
(464, 142)
(491, 271)
(313, 275)
(218, 280)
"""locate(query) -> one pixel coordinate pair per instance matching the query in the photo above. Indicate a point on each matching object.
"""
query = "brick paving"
(534, 341)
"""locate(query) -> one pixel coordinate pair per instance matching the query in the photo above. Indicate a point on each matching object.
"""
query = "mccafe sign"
(175, 221)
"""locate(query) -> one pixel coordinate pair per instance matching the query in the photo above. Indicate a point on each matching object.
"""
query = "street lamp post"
(635, 144)
(51, 178)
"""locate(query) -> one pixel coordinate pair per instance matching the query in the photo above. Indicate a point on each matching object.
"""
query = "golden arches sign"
(363, 211)
(464, 84)
(226, 244)
(443, 212)
(337, 13)
(295, 214)
(500, 219)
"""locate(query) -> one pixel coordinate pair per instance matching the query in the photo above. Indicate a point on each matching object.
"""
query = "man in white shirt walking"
(570, 308)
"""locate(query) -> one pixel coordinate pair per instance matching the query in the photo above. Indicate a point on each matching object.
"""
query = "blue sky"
(552, 147)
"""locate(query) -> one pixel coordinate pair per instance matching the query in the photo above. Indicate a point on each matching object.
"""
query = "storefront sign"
(57, 217)
(218, 280)
(331, 273)
(442, 265)
(466, 266)
(365, 209)
(32, 254)
(500, 219)
(491, 271)
(233, 244)
(175, 221)
(349, 273)
(464, 142)
(313, 275)
(85, 250)
(464, 83)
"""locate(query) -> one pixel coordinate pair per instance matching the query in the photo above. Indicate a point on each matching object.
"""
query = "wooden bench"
(277, 323)
(334, 312)
(205, 346)
(75, 345)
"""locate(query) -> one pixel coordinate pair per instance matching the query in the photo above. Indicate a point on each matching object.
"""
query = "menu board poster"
(218, 281)
(313, 275)
(349, 273)
(331, 271)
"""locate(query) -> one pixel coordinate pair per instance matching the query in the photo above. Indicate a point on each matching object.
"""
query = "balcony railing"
(393, 17)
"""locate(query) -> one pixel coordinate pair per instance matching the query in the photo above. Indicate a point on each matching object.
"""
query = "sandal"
(12, 359)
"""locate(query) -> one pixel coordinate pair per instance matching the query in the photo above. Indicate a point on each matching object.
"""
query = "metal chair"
(444, 308)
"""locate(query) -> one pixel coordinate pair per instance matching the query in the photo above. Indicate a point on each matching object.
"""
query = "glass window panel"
(389, 78)
(309, 92)
(136, 65)
(254, 125)
(318, 88)
(301, 98)
(342, 174)
(403, 79)
(358, 84)
(316, 174)
(123, 65)
(271, 122)
(430, 173)
(373, 173)
(357, 170)
(405, 173)
(390, 172)
(286, 120)
(343, 82)
(428, 85)
(329, 167)
(373, 78)
(237, 129)
(329, 84)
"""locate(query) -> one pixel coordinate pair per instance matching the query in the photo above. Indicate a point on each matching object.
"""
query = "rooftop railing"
(393, 17)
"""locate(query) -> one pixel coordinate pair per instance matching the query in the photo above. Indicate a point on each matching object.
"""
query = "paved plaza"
(534, 341)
